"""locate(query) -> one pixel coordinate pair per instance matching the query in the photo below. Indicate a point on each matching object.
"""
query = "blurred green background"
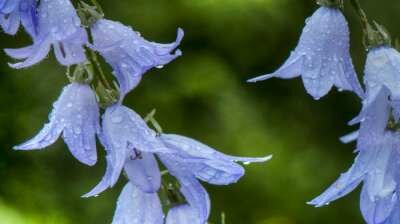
(203, 95)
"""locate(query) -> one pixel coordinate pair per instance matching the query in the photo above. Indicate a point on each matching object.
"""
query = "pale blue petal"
(377, 210)
(143, 171)
(128, 53)
(76, 114)
(182, 214)
(137, 207)
(196, 196)
(125, 134)
(57, 24)
(322, 56)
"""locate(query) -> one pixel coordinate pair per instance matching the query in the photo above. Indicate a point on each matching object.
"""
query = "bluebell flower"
(13, 13)
(129, 54)
(133, 147)
(191, 160)
(376, 165)
(59, 26)
(76, 116)
(377, 168)
(129, 144)
(382, 70)
(322, 57)
(137, 207)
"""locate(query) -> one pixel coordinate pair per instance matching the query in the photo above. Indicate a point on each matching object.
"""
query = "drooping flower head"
(137, 207)
(377, 168)
(13, 13)
(193, 161)
(129, 143)
(322, 56)
(76, 116)
(129, 54)
(376, 165)
(133, 147)
(58, 26)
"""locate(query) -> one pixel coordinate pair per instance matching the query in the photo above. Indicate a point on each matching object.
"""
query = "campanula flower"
(129, 54)
(191, 160)
(76, 116)
(377, 168)
(13, 13)
(129, 143)
(137, 207)
(59, 27)
(322, 57)
(382, 69)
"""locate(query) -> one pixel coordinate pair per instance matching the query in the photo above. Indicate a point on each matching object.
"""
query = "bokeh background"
(203, 95)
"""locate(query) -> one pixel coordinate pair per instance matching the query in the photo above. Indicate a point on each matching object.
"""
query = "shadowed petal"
(322, 56)
(128, 53)
(143, 171)
(182, 214)
(75, 114)
(137, 207)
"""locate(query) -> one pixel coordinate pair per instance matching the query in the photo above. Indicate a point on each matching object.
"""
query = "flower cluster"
(322, 59)
(131, 145)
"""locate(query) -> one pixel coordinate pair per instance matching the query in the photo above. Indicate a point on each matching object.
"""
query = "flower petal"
(143, 171)
(182, 214)
(137, 207)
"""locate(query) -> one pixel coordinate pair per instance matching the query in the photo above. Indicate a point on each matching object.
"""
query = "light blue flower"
(15, 12)
(191, 160)
(378, 168)
(376, 165)
(322, 57)
(76, 116)
(132, 146)
(58, 26)
(137, 207)
(129, 54)
(129, 143)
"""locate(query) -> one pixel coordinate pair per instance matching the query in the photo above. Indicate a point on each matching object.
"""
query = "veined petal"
(349, 180)
(56, 23)
(37, 53)
(47, 136)
(81, 115)
(377, 210)
(143, 171)
(196, 196)
(76, 115)
(195, 149)
(129, 54)
(126, 130)
(137, 207)
(10, 22)
(322, 56)
(182, 214)
(126, 135)
(290, 69)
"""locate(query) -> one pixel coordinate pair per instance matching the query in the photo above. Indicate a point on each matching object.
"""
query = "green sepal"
(331, 3)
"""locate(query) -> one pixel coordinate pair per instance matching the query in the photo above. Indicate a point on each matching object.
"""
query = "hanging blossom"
(322, 57)
(13, 13)
(378, 146)
(129, 54)
(59, 26)
(131, 145)
(76, 116)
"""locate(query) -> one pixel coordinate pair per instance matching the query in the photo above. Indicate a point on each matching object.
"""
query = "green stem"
(102, 76)
(362, 15)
